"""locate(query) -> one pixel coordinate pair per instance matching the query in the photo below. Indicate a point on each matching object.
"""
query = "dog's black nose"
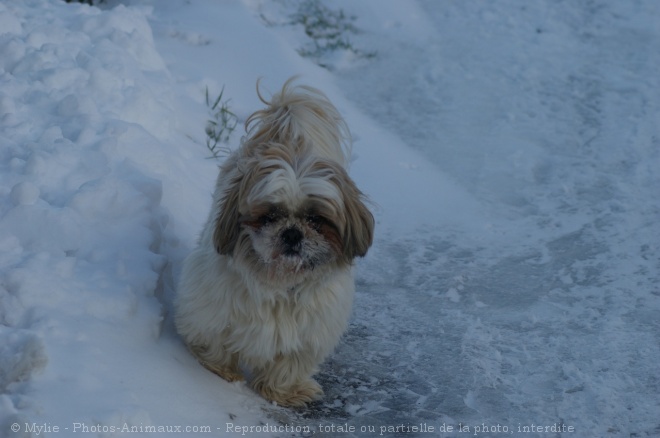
(291, 237)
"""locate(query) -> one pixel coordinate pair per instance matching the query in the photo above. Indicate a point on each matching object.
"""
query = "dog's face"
(290, 240)
(289, 218)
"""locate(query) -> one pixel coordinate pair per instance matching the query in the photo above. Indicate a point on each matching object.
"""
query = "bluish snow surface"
(542, 307)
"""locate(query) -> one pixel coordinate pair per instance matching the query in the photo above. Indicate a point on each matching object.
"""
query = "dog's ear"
(359, 229)
(227, 225)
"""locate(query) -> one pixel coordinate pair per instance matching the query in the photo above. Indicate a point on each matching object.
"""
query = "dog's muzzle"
(292, 239)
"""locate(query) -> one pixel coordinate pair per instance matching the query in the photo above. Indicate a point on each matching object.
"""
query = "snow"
(510, 151)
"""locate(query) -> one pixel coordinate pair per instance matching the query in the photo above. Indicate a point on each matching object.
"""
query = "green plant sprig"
(220, 126)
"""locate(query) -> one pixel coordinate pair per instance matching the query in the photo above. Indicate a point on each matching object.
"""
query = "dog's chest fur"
(282, 322)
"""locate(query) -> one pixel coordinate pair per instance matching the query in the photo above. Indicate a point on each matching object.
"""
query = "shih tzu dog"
(269, 287)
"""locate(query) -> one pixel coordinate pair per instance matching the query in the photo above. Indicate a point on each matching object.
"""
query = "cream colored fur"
(249, 296)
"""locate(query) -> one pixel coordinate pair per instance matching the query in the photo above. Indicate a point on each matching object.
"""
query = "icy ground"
(511, 150)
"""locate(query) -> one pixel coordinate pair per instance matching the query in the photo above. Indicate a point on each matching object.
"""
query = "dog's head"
(287, 217)
(289, 210)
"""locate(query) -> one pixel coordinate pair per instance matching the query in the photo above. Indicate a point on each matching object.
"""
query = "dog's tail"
(302, 117)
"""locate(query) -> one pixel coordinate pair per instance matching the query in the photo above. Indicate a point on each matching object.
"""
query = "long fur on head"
(299, 123)
(300, 117)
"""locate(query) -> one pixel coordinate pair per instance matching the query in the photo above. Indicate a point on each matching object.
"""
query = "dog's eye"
(314, 220)
(268, 219)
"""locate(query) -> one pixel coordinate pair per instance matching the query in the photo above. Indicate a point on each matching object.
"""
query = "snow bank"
(90, 140)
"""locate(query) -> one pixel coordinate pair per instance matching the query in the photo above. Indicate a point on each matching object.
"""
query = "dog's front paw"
(228, 371)
(296, 395)
(230, 374)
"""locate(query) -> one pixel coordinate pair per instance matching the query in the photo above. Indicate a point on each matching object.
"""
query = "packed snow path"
(548, 114)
